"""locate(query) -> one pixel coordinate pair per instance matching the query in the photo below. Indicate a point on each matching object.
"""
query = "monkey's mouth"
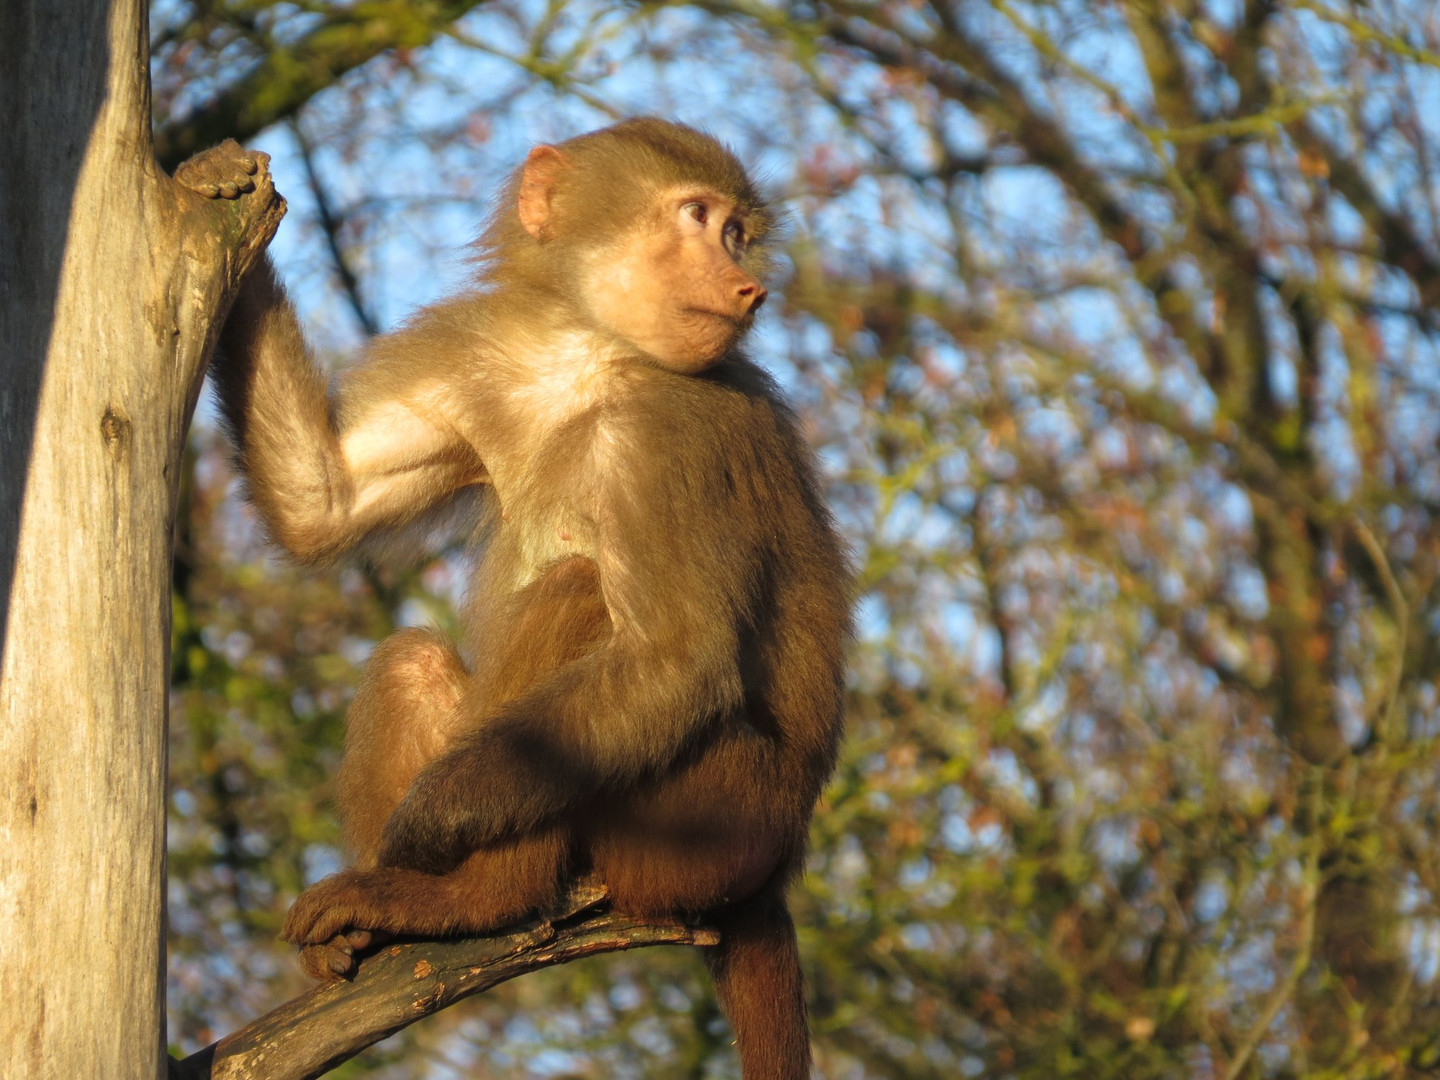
(736, 322)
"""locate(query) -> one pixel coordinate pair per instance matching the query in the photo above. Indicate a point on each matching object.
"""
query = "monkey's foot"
(226, 171)
(336, 958)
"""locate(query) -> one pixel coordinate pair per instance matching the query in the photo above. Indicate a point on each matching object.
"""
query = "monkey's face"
(675, 285)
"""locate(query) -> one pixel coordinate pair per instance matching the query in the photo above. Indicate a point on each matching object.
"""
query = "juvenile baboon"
(649, 686)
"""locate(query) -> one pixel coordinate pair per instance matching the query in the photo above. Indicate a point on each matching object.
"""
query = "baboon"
(649, 687)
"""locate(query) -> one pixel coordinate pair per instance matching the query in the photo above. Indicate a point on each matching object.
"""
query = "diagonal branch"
(402, 983)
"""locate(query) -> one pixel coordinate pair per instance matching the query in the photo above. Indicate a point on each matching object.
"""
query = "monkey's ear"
(537, 186)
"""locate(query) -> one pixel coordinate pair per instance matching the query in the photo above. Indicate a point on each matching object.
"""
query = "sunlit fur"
(649, 685)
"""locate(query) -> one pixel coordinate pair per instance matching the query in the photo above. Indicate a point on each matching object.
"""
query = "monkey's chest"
(541, 539)
(550, 512)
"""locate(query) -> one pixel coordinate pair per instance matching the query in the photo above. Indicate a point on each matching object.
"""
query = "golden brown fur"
(650, 682)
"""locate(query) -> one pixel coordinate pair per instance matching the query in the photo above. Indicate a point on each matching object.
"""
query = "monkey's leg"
(494, 887)
(756, 968)
(551, 622)
(404, 713)
(416, 694)
(521, 638)
(415, 697)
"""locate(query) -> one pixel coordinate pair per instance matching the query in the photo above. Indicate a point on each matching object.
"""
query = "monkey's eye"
(734, 237)
(698, 211)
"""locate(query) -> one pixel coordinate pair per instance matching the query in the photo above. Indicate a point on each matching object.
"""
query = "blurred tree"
(259, 63)
(1117, 327)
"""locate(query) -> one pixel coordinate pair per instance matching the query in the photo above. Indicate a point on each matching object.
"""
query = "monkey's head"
(652, 230)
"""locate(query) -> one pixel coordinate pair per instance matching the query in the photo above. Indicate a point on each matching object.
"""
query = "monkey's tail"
(756, 968)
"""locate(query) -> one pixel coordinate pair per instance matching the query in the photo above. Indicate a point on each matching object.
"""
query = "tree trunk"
(113, 281)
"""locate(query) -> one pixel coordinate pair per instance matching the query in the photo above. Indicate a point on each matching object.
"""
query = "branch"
(292, 73)
(1400, 244)
(402, 983)
(955, 64)
(1400, 612)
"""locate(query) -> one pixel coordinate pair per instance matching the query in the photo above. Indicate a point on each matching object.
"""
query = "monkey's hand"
(338, 916)
(223, 174)
(226, 171)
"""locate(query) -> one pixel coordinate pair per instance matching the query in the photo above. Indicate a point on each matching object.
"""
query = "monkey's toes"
(326, 909)
(335, 959)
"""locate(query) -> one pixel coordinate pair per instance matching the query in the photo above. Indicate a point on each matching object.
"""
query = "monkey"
(649, 685)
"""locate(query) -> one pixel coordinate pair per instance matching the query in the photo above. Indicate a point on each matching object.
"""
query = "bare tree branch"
(1400, 243)
(402, 983)
(291, 73)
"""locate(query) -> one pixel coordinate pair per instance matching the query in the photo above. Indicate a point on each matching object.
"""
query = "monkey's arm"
(320, 485)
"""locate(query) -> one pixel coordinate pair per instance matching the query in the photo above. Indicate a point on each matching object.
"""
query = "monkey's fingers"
(338, 958)
(360, 939)
(226, 171)
(363, 940)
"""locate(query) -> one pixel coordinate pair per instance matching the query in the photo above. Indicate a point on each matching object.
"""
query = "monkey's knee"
(553, 621)
(405, 712)
(336, 958)
(573, 578)
(414, 666)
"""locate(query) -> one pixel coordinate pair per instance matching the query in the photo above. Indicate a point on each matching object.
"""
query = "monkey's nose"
(752, 296)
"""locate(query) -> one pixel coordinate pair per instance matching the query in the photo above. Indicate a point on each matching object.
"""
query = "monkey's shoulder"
(440, 351)
(735, 401)
(714, 444)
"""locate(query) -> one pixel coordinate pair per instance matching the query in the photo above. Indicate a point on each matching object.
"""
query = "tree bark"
(113, 284)
(313, 1033)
